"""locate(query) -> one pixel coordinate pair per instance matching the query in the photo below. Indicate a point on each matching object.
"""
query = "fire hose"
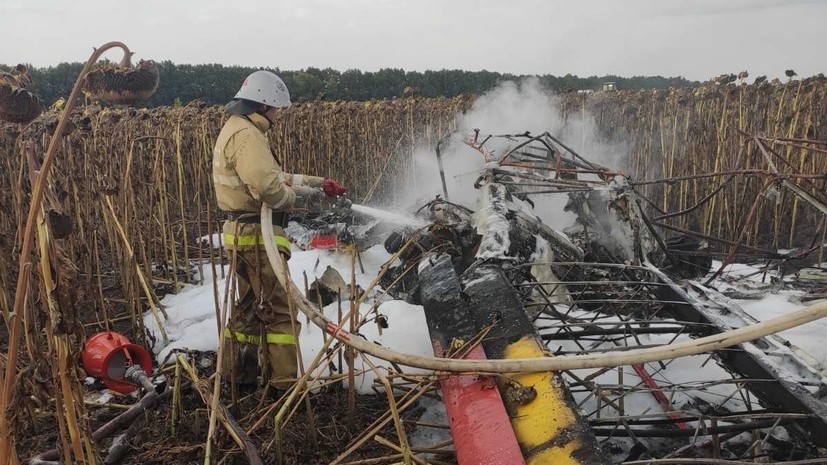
(130, 419)
(537, 364)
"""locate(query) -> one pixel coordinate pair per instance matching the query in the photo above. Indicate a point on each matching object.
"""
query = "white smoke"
(514, 108)
(510, 108)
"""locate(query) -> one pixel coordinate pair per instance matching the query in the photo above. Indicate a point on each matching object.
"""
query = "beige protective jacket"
(245, 174)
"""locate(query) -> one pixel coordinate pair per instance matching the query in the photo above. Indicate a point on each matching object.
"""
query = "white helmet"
(266, 88)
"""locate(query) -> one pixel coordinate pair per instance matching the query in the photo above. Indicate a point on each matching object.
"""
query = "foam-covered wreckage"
(508, 266)
(609, 227)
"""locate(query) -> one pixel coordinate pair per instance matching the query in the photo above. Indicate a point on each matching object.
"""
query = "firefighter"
(260, 338)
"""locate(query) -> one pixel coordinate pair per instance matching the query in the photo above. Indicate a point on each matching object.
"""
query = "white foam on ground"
(192, 313)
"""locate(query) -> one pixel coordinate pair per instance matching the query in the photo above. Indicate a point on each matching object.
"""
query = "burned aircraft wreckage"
(498, 283)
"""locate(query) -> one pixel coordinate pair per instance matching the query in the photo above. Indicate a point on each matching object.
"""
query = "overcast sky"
(697, 39)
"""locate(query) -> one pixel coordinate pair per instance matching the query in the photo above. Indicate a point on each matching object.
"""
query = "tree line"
(216, 84)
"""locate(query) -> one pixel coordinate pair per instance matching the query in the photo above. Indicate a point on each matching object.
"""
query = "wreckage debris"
(615, 265)
(329, 288)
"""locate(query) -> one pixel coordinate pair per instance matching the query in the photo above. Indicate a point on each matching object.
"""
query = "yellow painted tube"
(545, 423)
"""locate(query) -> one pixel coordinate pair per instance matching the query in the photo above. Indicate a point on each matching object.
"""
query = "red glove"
(333, 188)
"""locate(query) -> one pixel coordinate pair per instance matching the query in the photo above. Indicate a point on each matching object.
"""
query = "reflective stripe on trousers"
(272, 338)
(251, 240)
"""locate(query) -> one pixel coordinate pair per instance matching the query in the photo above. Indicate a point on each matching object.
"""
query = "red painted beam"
(479, 422)
(480, 426)
(659, 395)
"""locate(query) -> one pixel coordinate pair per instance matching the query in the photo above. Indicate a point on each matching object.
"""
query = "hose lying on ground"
(538, 364)
(149, 401)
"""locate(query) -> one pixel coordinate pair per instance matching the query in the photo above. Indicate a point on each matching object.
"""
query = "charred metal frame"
(634, 290)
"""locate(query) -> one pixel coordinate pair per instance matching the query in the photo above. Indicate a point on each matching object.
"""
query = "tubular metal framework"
(620, 283)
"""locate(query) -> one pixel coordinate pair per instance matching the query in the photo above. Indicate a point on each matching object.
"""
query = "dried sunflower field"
(130, 194)
(681, 137)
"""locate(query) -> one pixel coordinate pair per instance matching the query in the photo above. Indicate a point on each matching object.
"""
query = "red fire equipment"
(108, 354)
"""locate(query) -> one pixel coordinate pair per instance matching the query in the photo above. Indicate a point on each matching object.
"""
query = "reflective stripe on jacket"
(245, 174)
(272, 338)
(245, 241)
(245, 236)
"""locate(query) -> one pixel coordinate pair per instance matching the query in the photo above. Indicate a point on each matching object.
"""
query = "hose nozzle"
(343, 202)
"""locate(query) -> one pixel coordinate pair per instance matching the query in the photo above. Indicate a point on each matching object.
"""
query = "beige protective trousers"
(261, 336)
